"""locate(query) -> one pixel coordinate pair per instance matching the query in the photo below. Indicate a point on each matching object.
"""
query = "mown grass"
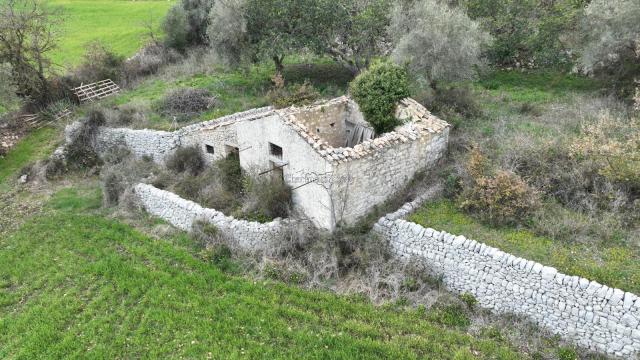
(119, 24)
(611, 265)
(34, 146)
(74, 283)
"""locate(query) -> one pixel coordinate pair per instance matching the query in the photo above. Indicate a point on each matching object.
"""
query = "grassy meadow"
(119, 24)
(76, 283)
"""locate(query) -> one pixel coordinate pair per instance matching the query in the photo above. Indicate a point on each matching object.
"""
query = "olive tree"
(437, 42)
(611, 40)
(259, 29)
(359, 32)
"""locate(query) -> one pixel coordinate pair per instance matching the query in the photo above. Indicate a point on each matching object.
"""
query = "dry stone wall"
(591, 315)
(182, 213)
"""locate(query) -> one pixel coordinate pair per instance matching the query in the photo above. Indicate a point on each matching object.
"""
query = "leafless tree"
(29, 31)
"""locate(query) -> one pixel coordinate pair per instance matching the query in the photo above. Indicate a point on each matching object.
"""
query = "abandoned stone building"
(326, 152)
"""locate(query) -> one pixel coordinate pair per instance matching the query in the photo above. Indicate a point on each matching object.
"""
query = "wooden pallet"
(96, 91)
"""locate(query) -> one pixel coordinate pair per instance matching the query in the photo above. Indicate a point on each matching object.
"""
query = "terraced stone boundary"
(589, 314)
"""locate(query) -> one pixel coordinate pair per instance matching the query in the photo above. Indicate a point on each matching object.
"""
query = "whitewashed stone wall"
(181, 213)
(591, 315)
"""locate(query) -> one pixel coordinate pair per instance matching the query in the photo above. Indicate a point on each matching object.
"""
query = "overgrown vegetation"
(186, 102)
(297, 94)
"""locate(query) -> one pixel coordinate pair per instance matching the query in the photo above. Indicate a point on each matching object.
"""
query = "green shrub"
(189, 187)
(175, 28)
(460, 99)
(113, 185)
(377, 92)
(231, 173)
(566, 353)
(450, 315)
(186, 159)
(100, 63)
(469, 299)
(267, 198)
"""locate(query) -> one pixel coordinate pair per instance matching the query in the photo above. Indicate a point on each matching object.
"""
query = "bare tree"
(28, 33)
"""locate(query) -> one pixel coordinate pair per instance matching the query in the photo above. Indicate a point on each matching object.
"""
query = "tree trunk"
(277, 60)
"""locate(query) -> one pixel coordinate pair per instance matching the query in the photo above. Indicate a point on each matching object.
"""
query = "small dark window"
(332, 124)
(209, 149)
(275, 150)
(317, 129)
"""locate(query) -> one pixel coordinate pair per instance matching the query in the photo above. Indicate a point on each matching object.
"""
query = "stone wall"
(373, 179)
(326, 121)
(160, 144)
(181, 213)
(589, 314)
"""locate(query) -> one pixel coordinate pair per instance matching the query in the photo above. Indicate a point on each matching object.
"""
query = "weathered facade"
(326, 152)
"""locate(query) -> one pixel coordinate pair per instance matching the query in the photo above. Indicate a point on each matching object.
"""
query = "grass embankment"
(74, 284)
(119, 24)
(37, 145)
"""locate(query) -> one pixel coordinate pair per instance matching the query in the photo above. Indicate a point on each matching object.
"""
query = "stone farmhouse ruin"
(326, 152)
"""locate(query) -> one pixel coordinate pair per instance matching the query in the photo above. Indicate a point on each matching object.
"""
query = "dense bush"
(227, 30)
(80, 153)
(186, 102)
(377, 92)
(500, 199)
(266, 198)
(120, 173)
(438, 42)
(297, 94)
(613, 143)
(186, 23)
(503, 199)
(129, 115)
(99, 63)
(452, 103)
(186, 159)
(231, 173)
(175, 28)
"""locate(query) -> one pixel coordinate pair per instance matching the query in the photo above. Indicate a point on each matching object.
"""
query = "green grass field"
(74, 283)
(117, 23)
